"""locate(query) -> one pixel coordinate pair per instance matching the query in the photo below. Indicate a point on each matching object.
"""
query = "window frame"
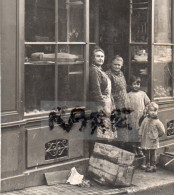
(153, 44)
(150, 45)
(86, 44)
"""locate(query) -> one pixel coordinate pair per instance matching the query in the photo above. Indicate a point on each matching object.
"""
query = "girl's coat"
(150, 131)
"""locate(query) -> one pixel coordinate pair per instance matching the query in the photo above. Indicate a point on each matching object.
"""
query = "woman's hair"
(118, 58)
(153, 105)
(96, 50)
(134, 78)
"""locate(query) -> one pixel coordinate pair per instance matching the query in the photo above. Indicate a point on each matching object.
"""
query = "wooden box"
(111, 165)
(167, 161)
(113, 154)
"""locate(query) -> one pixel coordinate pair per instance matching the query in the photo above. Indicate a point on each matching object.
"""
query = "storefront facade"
(45, 49)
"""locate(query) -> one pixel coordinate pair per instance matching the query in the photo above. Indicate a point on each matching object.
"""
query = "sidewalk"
(160, 182)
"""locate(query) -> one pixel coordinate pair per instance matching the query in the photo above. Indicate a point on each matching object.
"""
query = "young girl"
(138, 101)
(150, 131)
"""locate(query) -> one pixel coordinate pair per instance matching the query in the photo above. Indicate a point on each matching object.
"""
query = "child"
(150, 131)
(138, 101)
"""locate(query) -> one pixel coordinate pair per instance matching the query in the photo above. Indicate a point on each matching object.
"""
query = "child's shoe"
(151, 169)
(154, 168)
(143, 166)
(147, 167)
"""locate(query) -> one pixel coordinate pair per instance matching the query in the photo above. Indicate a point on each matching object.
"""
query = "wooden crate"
(113, 154)
(167, 161)
(111, 165)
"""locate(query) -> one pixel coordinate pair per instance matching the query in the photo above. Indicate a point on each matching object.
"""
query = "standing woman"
(119, 85)
(119, 92)
(99, 84)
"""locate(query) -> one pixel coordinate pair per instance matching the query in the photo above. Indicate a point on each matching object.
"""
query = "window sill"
(164, 100)
(44, 115)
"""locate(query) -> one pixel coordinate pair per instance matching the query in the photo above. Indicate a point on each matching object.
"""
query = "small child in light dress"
(150, 131)
(138, 101)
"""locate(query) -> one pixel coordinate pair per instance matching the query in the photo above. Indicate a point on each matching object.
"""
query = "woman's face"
(99, 58)
(116, 65)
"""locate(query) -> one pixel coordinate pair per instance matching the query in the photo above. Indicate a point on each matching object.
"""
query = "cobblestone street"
(161, 182)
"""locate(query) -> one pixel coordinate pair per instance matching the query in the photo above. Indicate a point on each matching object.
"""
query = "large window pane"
(54, 73)
(39, 77)
(162, 21)
(71, 20)
(71, 75)
(139, 65)
(139, 21)
(162, 71)
(39, 20)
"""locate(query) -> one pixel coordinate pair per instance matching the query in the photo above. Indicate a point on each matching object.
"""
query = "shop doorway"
(114, 30)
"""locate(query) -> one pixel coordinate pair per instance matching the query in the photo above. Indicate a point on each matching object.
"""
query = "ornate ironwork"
(56, 149)
(170, 128)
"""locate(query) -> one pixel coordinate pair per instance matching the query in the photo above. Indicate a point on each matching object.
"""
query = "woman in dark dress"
(99, 84)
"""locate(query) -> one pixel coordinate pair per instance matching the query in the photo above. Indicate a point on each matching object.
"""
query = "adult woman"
(119, 94)
(119, 91)
(99, 84)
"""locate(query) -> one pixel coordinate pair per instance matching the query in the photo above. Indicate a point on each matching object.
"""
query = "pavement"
(160, 182)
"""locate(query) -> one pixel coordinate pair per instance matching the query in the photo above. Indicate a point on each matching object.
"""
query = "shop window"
(140, 66)
(70, 19)
(139, 20)
(39, 20)
(54, 54)
(138, 49)
(162, 61)
(162, 71)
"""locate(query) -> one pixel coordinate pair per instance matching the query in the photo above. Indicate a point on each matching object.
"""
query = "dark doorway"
(114, 29)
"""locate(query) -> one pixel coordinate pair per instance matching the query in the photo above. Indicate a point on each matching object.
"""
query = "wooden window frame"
(151, 44)
(86, 43)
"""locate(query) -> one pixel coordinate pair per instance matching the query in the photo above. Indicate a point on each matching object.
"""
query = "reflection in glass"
(139, 21)
(162, 21)
(139, 65)
(39, 20)
(71, 22)
(162, 72)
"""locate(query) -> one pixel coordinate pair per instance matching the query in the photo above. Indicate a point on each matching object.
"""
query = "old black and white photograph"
(87, 97)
